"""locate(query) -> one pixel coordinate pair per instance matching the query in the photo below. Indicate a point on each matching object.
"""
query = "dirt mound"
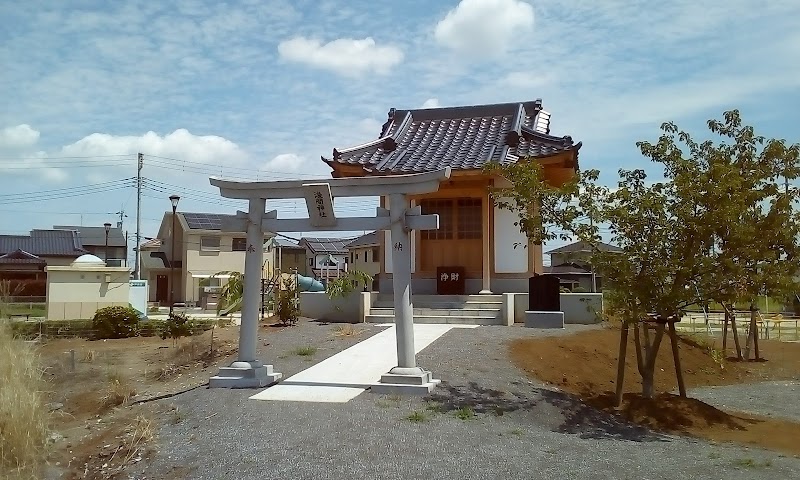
(585, 364)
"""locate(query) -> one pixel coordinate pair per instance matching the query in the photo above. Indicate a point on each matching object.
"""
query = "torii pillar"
(400, 219)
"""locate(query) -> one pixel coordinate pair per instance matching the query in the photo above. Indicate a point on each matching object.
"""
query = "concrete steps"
(444, 309)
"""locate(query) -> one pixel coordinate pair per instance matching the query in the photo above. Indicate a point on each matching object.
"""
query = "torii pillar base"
(406, 381)
(245, 375)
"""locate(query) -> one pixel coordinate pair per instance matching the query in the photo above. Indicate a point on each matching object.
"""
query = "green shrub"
(116, 322)
(178, 325)
(288, 310)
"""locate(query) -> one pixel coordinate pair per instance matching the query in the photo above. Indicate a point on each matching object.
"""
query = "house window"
(209, 244)
(460, 218)
(376, 253)
(239, 245)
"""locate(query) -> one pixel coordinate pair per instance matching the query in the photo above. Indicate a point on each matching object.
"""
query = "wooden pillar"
(486, 227)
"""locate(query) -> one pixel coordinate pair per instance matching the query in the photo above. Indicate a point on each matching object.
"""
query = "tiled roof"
(364, 240)
(462, 138)
(326, 245)
(204, 221)
(585, 247)
(96, 236)
(20, 256)
(49, 243)
(285, 243)
(571, 268)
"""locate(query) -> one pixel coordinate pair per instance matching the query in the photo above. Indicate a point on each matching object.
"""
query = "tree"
(230, 296)
(718, 223)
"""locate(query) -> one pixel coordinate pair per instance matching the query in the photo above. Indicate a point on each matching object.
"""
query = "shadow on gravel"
(591, 423)
(579, 418)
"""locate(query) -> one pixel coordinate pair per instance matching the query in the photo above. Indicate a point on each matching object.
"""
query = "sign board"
(320, 204)
(137, 296)
(450, 281)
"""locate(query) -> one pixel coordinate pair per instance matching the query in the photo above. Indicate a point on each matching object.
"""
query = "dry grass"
(118, 390)
(89, 356)
(23, 416)
(347, 330)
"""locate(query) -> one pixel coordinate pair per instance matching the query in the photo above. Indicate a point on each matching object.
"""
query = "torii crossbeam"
(400, 219)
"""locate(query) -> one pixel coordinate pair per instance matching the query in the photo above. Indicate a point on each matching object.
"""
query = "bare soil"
(94, 404)
(585, 364)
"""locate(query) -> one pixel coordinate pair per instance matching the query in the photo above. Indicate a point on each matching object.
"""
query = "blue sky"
(261, 89)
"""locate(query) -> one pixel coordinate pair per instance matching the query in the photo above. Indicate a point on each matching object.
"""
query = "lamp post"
(174, 200)
(107, 227)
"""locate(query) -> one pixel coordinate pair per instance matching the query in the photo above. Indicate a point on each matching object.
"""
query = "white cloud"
(345, 56)
(431, 103)
(180, 144)
(18, 137)
(284, 163)
(484, 28)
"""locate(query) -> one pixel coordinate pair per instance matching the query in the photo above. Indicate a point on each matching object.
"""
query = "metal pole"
(140, 163)
(172, 264)
(105, 252)
(401, 282)
(254, 257)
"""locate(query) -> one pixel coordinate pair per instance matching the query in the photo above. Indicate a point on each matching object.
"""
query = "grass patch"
(518, 432)
(347, 330)
(750, 463)
(465, 413)
(23, 415)
(305, 351)
(416, 417)
(434, 407)
(117, 391)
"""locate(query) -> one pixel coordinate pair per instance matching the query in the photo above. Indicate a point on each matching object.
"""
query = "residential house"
(93, 239)
(23, 258)
(326, 257)
(571, 264)
(202, 250)
(475, 238)
(289, 256)
(365, 255)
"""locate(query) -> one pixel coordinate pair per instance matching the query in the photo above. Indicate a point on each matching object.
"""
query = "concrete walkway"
(347, 374)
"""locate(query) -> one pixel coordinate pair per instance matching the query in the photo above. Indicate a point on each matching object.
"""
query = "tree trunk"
(735, 331)
(673, 335)
(623, 345)
(725, 332)
(646, 359)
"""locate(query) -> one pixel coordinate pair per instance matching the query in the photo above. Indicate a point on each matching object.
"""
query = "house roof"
(368, 240)
(204, 221)
(326, 245)
(285, 243)
(20, 256)
(462, 138)
(581, 246)
(48, 243)
(571, 268)
(152, 243)
(96, 236)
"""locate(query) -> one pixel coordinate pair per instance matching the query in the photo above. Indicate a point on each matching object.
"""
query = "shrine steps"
(444, 309)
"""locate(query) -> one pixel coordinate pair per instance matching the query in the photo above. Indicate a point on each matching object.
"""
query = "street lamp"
(174, 200)
(108, 227)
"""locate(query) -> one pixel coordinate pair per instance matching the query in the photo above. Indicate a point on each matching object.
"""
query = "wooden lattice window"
(444, 207)
(460, 218)
(469, 218)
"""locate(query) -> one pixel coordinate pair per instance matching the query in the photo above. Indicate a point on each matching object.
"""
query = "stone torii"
(400, 219)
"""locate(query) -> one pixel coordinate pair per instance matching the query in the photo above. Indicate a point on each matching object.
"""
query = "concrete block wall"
(578, 308)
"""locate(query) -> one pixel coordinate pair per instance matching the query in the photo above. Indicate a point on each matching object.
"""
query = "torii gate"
(400, 219)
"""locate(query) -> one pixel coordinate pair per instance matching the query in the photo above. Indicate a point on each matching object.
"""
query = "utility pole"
(140, 162)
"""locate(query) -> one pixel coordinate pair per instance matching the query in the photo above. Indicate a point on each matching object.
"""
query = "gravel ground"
(519, 429)
(775, 399)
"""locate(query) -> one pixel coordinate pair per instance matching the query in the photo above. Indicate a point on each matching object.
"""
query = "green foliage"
(177, 325)
(348, 283)
(305, 351)
(416, 417)
(465, 413)
(116, 322)
(288, 309)
(230, 295)
(545, 212)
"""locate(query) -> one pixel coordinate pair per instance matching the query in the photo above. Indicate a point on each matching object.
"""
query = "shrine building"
(475, 241)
